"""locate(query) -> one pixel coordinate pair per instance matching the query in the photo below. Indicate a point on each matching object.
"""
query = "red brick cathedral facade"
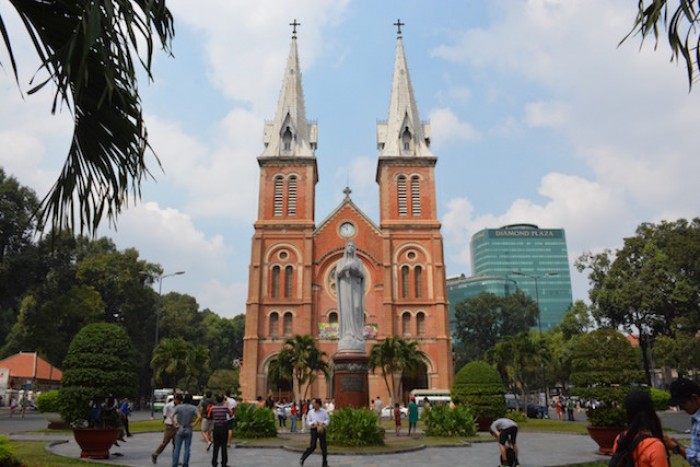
(291, 278)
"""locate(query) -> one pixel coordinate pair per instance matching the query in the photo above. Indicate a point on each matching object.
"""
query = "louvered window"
(287, 325)
(415, 195)
(275, 286)
(333, 317)
(288, 281)
(418, 278)
(287, 140)
(404, 282)
(420, 323)
(274, 324)
(406, 324)
(292, 196)
(279, 195)
(401, 189)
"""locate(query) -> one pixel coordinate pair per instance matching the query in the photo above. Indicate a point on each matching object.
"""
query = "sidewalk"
(537, 450)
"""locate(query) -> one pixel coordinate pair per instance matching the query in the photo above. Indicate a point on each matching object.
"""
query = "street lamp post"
(539, 325)
(158, 311)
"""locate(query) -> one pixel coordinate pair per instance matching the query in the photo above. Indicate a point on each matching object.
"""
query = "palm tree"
(301, 358)
(394, 356)
(175, 358)
(87, 48)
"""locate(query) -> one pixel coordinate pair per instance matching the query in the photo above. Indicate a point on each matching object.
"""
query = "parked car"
(388, 412)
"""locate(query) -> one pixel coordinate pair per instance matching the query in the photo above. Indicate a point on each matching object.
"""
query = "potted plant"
(605, 367)
(48, 404)
(98, 368)
(479, 386)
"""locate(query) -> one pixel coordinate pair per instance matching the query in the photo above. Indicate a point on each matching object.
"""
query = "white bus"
(434, 396)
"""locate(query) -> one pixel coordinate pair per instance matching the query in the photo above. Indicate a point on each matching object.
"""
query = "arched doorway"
(413, 379)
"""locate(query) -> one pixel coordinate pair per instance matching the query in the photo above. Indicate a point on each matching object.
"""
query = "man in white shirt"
(231, 403)
(318, 420)
(170, 430)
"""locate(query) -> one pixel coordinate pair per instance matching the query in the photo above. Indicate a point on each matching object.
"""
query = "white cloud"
(546, 114)
(446, 127)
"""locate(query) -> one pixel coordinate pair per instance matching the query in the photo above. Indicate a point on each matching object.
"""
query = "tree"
(221, 381)
(87, 49)
(652, 285)
(483, 320)
(519, 360)
(177, 361)
(681, 24)
(301, 357)
(394, 356)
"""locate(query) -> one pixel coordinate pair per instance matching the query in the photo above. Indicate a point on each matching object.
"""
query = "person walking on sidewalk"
(220, 416)
(170, 430)
(318, 420)
(185, 417)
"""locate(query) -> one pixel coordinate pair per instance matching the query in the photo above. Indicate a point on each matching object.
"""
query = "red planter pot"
(604, 436)
(95, 442)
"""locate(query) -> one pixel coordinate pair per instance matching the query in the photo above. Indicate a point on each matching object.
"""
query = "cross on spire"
(347, 192)
(294, 25)
(398, 25)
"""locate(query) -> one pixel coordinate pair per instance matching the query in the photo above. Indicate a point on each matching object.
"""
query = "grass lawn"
(33, 453)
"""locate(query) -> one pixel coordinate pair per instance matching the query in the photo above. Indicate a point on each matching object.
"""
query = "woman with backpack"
(642, 444)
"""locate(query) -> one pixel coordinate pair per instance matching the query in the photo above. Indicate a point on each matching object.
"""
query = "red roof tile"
(30, 365)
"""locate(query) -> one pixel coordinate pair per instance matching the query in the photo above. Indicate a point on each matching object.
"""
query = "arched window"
(333, 317)
(415, 195)
(404, 281)
(279, 194)
(292, 196)
(418, 279)
(420, 323)
(287, 139)
(287, 324)
(274, 324)
(288, 281)
(275, 286)
(406, 324)
(406, 139)
(401, 190)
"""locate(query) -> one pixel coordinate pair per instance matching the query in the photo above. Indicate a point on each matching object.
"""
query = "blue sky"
(537, 116)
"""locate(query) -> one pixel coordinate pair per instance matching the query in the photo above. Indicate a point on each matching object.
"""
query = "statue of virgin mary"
(350, 286)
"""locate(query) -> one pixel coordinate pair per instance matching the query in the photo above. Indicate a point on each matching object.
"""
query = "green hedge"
(355, 427)
(6, 457)
(254, 422)
(48, 401)
(479, 386)
(441, 420)
(660, 398)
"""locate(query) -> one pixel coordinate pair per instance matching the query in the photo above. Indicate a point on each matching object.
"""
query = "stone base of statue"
(350, 383)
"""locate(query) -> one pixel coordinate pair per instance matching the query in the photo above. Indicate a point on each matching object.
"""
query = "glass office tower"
(536, 259)
(461, 287)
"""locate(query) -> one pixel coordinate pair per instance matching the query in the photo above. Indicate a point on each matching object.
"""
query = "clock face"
(347, 229)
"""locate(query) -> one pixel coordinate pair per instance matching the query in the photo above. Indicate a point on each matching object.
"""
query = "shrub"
(605, 367)
(660, 398)
(441, 420)
(48, 401)
(479, 386)
(99, 364)
(254, 422)
(355, 427)
(6, 457)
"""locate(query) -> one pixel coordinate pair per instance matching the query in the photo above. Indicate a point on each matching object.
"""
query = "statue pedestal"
(350, 384)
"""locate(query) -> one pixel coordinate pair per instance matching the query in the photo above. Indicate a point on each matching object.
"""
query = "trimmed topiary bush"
(517, 417)
(99, 364)
(605, 367)
(49, 401)
(355, 427)
(479, 386)
(254, 422)
(660, 398)
(442, 420)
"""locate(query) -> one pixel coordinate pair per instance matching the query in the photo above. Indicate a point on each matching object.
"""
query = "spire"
(290, 134)
(403, 134)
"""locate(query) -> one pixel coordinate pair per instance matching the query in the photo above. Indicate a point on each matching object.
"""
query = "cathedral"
(291, 286)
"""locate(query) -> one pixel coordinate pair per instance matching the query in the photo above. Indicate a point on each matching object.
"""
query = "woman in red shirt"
(644, 435)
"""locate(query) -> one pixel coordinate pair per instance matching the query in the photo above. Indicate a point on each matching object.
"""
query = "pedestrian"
(124, 411)
(231, 405)
(378, 407)
(560, 410)
(412, 416)
(13, 406)
(294, 412)
(281, 410)
(170, 430)
(207, 425)
(570, 410)
(220, 415)
(260, 402)
(643, 441)
(506, 431)
(397, 418)
(305, 407)
(318, 420)
(686, 395)
(185, 417)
